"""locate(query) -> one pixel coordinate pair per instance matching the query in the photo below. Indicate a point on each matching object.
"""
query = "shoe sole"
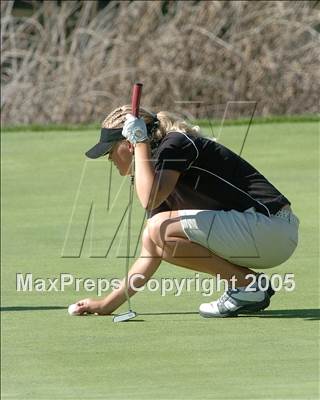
(204, 315)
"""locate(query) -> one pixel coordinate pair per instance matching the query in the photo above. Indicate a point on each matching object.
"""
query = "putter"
(130, 314)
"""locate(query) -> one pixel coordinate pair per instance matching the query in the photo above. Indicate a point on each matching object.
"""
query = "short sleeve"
(177, 152)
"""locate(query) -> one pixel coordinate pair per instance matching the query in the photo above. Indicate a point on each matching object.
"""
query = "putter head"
(125, 316)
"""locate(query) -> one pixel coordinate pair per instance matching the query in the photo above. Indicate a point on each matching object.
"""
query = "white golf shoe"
(234, 302)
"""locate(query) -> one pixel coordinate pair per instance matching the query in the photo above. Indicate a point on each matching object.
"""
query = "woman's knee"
(158, 230)
(164, 228)
(152, 244)
(153, 228)
(148, 244)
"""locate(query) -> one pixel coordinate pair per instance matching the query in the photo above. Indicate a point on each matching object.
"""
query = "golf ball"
(73, 309)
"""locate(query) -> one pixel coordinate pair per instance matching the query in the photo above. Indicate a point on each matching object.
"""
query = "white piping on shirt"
(183, 133)
(193, 144)
(229, 183)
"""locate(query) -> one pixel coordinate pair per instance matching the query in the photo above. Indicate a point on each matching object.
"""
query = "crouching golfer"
(208, 209)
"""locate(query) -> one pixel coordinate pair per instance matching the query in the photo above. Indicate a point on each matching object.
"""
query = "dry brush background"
(73, 63)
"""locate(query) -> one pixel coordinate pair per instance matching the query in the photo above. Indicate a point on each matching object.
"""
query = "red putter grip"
(135, 100)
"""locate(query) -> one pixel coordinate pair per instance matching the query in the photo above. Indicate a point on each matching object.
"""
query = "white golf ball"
(73, 309)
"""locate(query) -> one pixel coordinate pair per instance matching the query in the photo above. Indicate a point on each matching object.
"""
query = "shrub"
(71, 63)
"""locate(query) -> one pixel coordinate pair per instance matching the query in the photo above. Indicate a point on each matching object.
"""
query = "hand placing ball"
(73, 309)
(80, 308)
(86, 306)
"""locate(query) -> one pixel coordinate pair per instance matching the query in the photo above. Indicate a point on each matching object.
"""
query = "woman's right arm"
(146, 265)
(152, 187)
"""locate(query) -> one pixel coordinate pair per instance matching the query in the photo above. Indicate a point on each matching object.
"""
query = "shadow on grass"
(170, 313)
(309, 314)
(32, 308)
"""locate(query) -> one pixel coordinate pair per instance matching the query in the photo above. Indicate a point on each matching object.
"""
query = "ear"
(130, 147)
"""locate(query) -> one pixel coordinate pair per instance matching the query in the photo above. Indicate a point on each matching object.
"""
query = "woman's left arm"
(152, 187)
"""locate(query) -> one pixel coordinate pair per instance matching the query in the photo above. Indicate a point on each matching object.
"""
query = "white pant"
(248, 238)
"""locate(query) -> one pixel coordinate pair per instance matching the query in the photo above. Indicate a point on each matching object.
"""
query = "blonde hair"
(168, 122)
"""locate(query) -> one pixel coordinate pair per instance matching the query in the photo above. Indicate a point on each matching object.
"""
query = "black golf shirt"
(212, 177)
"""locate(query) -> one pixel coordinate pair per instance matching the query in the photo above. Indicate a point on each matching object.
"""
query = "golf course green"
(49, 190)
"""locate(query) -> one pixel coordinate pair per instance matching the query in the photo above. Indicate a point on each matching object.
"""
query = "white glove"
(134, 129)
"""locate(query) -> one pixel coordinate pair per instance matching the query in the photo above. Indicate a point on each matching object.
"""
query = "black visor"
(109, 137)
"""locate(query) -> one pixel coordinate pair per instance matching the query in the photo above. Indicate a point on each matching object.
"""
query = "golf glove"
(134, 129)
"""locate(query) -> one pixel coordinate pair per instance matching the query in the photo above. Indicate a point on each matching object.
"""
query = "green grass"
(202, 122)
(168, 352)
